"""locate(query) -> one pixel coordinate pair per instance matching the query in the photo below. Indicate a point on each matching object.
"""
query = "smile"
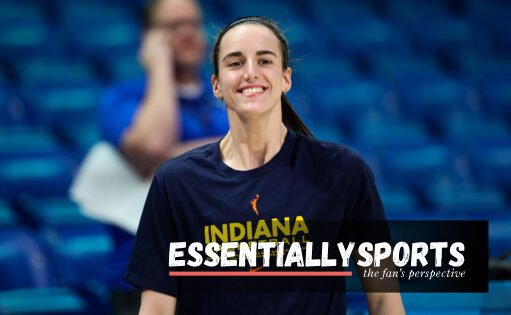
(252, 90)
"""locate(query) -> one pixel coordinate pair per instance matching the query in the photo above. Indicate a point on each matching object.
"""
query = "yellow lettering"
(284, 228)
(249, 230)
(262, 228)
(236, 236)
(206, 234)
(222, 235)
(300, 225)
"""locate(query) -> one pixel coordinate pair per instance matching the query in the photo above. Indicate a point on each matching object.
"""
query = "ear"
(286, 80)
(216, 87)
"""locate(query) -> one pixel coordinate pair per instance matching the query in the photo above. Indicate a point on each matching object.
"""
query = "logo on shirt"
(287, 229)
(253, 202)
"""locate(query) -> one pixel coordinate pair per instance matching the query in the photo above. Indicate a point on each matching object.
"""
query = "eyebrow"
(258, 53)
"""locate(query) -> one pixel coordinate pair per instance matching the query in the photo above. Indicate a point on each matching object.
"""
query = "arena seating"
(422, 89)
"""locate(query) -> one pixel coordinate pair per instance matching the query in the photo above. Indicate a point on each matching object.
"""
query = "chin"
(253, 109)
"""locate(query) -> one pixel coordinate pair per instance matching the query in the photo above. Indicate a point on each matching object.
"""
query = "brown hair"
(148, 14)
(289, 117)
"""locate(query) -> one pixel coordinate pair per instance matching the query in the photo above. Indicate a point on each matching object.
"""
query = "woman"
(267, 167)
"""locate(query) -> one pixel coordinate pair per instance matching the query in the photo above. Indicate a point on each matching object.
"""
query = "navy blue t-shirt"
(197, 197)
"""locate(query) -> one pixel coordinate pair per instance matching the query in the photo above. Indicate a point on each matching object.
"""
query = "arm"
(155, 303)
(385, 303)
(155, 128)
(382, 295)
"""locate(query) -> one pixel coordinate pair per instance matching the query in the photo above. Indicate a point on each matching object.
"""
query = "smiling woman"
(255, 66)
(267, 168)
(250, 79)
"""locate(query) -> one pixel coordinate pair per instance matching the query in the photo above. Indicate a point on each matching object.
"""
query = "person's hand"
(156, 51)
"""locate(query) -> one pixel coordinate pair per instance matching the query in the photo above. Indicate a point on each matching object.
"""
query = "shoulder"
(338, 156)
(187, 162)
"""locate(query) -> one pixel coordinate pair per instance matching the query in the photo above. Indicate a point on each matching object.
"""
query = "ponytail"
(291, 119)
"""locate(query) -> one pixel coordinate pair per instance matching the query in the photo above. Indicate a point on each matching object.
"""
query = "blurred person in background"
(172, 109)
(169, 111)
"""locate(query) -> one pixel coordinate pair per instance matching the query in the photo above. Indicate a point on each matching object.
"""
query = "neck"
(251, 144)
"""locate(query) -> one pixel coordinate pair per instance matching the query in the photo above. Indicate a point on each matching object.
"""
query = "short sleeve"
(117, 108)
(148, 267)
(364, 201)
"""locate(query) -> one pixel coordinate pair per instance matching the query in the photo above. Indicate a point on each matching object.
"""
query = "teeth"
(252, 90)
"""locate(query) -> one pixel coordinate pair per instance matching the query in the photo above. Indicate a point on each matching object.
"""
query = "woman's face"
(250, 76)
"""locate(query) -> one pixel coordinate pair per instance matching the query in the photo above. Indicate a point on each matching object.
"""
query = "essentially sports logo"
(290, 246)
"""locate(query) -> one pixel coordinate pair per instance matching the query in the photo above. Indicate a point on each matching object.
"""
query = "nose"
(250, 71)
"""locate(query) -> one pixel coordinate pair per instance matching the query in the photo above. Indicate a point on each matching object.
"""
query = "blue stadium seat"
(496, 93)
(43, 301)
(385, 134)
(467, 131)
(7, 215)
(465, 198)
(121, 68)
(447, 35)
(495, 302)
(42, 176)
(22, 262)
(485, 12)
(80, 138)
(391, 68)
(349, 101)
(214, 14)
(53, 211)
(103, 39)
(398, 199)
(325, 131)
(80, 252)
(13, 110)
(28, 141)
(366, 37)
(492, 164)
(53, 70)
(23, 30)
(76, 101)
(416, 11)
(327, 15)
(112, 28)
(418, 166)
(337, 10)
(284, 12)
(74, 242)
(299, 32)
(97, 10)
(431, 97)
(499, 234)
(474, 65)
(311, 75)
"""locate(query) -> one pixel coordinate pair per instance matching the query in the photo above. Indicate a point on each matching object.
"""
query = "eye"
(265, 61)
(234, 64)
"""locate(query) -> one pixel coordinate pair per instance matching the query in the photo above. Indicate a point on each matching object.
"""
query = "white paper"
(108, 189)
